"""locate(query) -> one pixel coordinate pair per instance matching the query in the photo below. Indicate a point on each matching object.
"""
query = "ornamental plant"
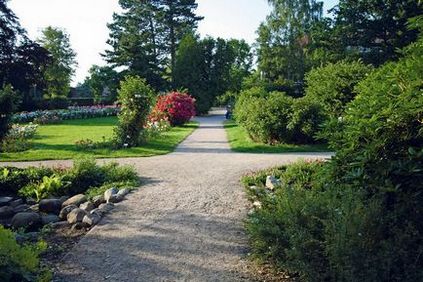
(135, 98)
(178, 107)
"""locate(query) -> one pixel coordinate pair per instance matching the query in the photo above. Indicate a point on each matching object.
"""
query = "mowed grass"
(241, 142)
(57, 142)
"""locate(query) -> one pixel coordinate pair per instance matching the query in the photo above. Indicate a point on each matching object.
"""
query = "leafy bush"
(13, 179)
(7, 105)
(265, 118)
(49, 186)
(305, 120)
(22, 131)
(84, 174)
(178, 107)
(135, 97)
(19, 263)
(115, 173)
(332, 86)
(357, 217)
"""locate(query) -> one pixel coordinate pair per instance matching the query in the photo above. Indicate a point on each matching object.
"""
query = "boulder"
(60, 224)
(272, 182)
(75, 200)
(115, 198)
(97, 211)
(76, 215)
(5, 201)
(105, 208)
(50, 218)
(123, 192)
(50, 206)
(78, 226)
(91, 219)
(26, 220)
(87, 206)
(16, 203)
(64, 198)
(34, 208)
(21, 208)
(109, 193)
(98, 200)
(6, 212)
(66, 210)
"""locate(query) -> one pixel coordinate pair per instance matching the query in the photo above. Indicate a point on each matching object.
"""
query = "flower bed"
(52, 116)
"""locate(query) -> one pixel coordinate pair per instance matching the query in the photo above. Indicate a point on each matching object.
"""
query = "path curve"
(184, 224)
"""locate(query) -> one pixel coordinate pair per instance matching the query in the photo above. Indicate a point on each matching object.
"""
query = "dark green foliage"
(332, 86)
(277, 118)
(101, 79)
(265, 116)
(135, 98)
(306, 120)
(20, 263)
(7, 105)
(12, 179)
(358, 216)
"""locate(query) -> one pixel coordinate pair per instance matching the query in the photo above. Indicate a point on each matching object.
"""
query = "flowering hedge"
(51, 116)
(178, 107)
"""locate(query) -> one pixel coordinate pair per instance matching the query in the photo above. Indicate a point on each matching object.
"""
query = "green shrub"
(12, 179)
(19, 263)
(305, 120)
(115, 173)
(49, 186)
(265, 116)
(84, 174)
(135, 98)
(332, 86)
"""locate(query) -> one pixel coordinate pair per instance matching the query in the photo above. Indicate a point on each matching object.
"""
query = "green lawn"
(54, 142)
(241, 142)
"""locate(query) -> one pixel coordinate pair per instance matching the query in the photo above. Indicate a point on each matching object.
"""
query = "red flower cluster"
(178, 107)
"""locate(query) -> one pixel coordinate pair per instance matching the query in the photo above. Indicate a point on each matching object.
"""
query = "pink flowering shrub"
(178, 107)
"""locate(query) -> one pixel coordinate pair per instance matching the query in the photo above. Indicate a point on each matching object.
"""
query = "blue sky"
(85, 21)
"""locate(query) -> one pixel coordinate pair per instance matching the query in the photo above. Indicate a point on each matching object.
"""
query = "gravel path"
(184, 224)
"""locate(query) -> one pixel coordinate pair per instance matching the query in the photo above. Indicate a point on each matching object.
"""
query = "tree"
(376, 28)
(145, 37)
(22, 61)
(58, 75)
(101, 78)
(284, 36)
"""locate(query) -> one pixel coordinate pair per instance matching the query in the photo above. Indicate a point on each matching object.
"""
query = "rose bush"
(178, 107)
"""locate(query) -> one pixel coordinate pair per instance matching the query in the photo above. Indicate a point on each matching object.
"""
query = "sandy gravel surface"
(186, 221)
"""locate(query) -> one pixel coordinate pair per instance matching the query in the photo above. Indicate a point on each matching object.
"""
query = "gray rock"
(50, 218)
(97, 211)
(109, 193)
(22, 238)
(91, 219)
(98, 200)
(60, 224)
(105, 208)
(78, 226)
(87, 206)
(123, 192)
(115, 198)
(66, 210)
(21, 208)
(76, 215)
(64, 198)
(16, 203)
(50, 206)
(75, 200)
(272, 182)
(6, 212)
(31, 201)
(34, 208)
(26, 220)
(4, 201)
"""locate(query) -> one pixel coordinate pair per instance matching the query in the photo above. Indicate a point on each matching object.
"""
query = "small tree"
(7, 105)
(135, 98)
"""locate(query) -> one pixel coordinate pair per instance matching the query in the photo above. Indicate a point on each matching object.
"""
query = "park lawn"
(241, 142)
(57, 142)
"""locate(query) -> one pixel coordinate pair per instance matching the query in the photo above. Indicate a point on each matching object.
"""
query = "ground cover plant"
(58, 141)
